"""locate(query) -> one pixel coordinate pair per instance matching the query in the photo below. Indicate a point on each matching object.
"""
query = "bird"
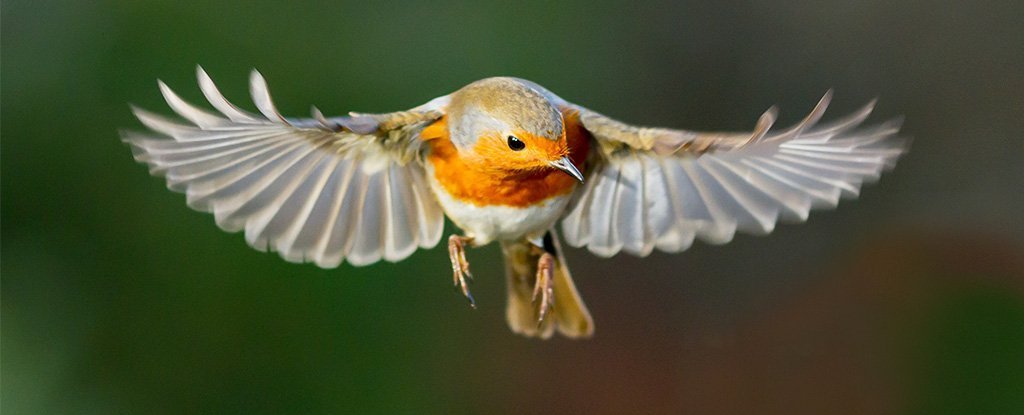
(506, 161)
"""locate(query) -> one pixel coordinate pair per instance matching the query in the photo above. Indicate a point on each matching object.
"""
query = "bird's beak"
(564, 164)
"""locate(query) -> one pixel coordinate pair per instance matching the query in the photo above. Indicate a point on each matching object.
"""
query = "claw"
(460, 266)
(544, 287)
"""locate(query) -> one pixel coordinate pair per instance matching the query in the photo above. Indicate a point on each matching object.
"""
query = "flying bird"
(506, 161)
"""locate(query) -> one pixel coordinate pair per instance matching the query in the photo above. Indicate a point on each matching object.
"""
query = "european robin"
(504, 159)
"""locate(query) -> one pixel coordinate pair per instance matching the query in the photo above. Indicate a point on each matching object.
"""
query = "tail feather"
(569, 316)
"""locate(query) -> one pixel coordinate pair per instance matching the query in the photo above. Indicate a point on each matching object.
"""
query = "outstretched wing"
(315, 190)
(661, 188)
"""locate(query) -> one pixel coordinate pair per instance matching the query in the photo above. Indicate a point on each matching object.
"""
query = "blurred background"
(119, 299)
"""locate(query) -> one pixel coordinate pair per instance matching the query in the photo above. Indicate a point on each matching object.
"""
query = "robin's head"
(506, 124)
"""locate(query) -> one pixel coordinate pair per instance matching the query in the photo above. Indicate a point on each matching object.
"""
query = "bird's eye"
(515, 143)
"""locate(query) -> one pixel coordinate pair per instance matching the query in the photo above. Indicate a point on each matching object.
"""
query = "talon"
(544, 287)
(469, 296)
(460, 266)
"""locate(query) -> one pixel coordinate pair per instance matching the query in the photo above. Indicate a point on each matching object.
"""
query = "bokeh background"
(119, 299)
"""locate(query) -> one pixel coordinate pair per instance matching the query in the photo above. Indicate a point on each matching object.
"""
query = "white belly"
(490, 223)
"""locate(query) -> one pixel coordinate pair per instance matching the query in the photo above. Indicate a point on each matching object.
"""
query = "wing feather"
(722, 225)
(311, 189)
(662, 188)
(755, 211)
(297, 237)
(273, 227)
(401, 236)
(676, 238)
(576, 222)
(601, 224)
(343, 217)
(213, 95)
(258, 190)
(655, 203)
(257, 213)
(237, 185)
(430, 230)
(261, 97)
(630, 214)
(366, 241)
(197, 116)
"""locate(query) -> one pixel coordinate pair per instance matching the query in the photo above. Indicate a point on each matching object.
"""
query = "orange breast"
(475, 182)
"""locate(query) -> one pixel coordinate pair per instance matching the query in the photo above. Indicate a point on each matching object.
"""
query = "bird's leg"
(460, 266)
(544, 286)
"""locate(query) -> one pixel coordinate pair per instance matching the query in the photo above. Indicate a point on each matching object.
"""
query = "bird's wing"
(315, 190)
(660, 188)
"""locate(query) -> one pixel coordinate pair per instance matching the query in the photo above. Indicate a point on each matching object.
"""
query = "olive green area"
(971, 355)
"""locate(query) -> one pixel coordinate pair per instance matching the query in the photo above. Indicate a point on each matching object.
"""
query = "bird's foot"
(460, 266)
(544, 287)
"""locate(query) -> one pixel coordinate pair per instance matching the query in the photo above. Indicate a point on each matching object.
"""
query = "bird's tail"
(569, 316)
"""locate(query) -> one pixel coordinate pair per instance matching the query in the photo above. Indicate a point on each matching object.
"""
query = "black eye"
(515, 144)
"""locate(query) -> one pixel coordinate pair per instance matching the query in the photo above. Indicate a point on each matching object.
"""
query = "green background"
(116, 298)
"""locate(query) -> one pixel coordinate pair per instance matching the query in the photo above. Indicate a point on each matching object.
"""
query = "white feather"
(198, 117)
(290, 187)
(343, 217)
(602, 215)
(261, 97)
(750, 189)
(218, 101)
(367, 242)
(711, 196)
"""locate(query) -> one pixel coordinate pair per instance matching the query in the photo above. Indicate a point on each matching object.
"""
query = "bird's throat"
(476, 181)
